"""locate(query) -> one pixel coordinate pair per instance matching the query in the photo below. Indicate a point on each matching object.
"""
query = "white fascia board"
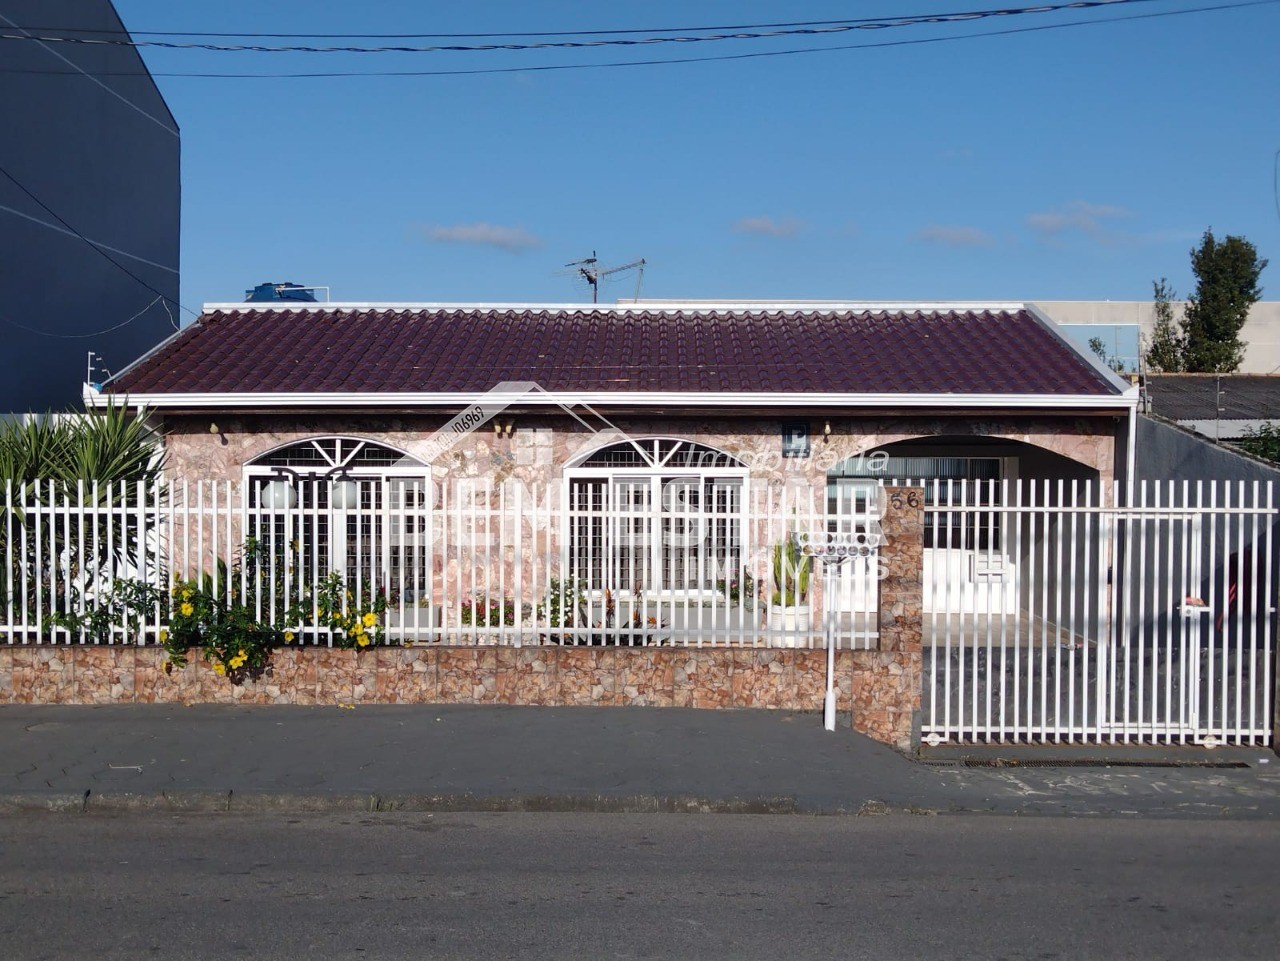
(1088, 356)
(753, 401)
(693, 306)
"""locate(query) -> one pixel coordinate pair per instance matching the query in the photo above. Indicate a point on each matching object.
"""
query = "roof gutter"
(640, 399)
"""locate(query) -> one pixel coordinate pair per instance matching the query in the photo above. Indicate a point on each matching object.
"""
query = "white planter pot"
(416, 623)
(789, 626)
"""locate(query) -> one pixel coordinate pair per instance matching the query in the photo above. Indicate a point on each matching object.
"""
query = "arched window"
(343, 505)
(655, 514)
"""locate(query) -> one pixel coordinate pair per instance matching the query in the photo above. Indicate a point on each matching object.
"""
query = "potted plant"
(789, 611)
(413, 619)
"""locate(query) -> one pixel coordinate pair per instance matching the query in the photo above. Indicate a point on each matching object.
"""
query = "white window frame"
(335, 544)
(655, 475)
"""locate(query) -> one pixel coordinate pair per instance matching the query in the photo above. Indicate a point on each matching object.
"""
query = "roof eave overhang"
(638, 400)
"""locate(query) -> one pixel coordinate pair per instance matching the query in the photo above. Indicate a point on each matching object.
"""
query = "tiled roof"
(333, 349)
(1197, 396)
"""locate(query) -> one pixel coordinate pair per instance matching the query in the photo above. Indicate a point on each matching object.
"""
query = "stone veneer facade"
(542, 445)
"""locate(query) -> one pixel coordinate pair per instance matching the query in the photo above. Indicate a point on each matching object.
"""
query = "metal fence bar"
(1054, 613)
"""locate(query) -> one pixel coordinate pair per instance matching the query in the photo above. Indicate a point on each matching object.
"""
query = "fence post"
(886, 701)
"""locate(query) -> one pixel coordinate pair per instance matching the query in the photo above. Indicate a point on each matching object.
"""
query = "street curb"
(231, 802)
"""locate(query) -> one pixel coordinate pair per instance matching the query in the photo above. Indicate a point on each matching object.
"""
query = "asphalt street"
(600, 886)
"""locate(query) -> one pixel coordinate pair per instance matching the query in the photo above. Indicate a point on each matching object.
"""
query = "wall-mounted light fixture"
(826, 432)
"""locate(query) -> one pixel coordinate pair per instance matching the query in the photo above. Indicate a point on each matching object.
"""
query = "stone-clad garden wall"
(881, 688)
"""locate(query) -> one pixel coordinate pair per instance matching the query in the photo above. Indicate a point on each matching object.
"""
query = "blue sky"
(1060, 164)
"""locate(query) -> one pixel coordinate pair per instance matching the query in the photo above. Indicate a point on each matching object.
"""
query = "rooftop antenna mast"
(590, 271)
(587, 269)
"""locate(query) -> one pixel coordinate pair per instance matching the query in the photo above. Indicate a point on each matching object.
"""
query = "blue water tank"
(264, 293)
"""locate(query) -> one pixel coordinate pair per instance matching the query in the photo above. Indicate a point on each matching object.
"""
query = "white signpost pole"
(832, 548)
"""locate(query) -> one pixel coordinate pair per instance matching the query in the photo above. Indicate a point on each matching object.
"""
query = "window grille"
(656, 514)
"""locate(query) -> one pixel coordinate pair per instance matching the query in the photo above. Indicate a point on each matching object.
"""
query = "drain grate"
(1075, 762)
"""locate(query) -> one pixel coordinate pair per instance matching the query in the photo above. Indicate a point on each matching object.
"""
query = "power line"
(101, 252)
(481, 36)
(84, 73)
(96, 333)
(832, 28)
(96, 243)
(680, 60)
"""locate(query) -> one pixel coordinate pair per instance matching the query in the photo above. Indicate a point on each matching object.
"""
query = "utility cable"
(96, 333)
(101, 252)
(880, 24)
(313, 75)
(97, 243)
(484, 36)
(89, 76)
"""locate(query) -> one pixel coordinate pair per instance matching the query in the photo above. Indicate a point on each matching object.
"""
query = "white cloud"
(768, 227)
(952, 235)
(512, 239)
(1077, 215)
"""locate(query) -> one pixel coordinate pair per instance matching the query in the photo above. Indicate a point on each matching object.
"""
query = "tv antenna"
(589, 269)
(90, 367)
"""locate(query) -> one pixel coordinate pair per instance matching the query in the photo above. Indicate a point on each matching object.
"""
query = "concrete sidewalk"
(438, 757)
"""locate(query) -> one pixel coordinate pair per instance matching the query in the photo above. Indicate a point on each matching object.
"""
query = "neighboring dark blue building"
(87, 146)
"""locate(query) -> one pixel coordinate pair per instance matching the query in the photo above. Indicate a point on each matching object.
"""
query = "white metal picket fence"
(676, 563)
(1053, 618)
(1050, 614)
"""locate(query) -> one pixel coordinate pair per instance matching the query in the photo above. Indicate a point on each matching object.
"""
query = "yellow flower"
(362, 641)
(288, 637)
(370, 619)
(237, 662)
(219, 668)
(164, 635)
(241, 652)
(186, 610)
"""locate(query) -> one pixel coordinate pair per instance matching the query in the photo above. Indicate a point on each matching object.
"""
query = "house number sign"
(910, 499)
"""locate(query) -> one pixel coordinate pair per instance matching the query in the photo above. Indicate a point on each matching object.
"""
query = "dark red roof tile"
(334, 350)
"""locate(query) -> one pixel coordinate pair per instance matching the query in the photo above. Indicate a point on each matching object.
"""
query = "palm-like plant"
(85, 459)
(791, 573)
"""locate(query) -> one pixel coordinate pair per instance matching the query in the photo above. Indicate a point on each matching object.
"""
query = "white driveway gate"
(1054, 617)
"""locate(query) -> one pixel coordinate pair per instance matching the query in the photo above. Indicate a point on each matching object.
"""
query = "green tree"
(1100, 351)
(1226, 287)
(1167, 349)
(1262, 441)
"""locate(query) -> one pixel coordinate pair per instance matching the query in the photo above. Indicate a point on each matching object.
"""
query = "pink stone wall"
(543, 444)
(881, 689)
